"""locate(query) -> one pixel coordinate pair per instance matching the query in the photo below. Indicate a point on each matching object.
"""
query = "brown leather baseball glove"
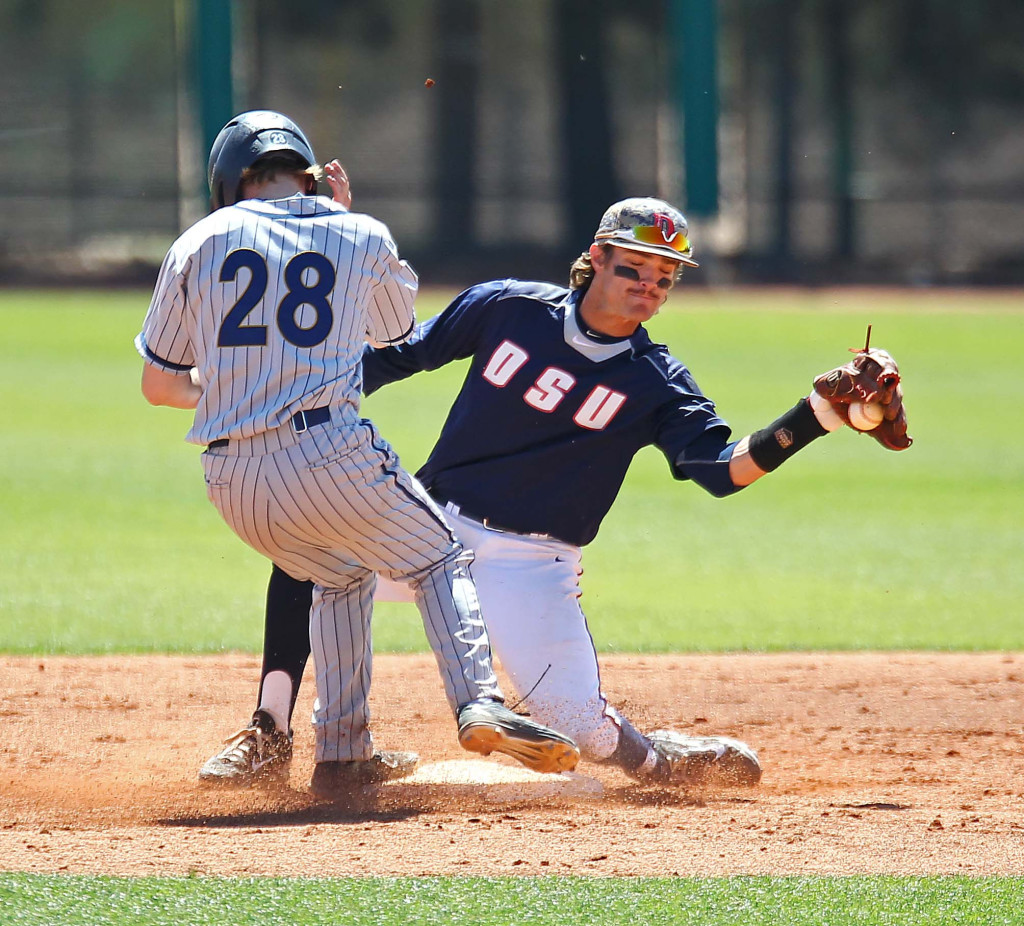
(872, 376)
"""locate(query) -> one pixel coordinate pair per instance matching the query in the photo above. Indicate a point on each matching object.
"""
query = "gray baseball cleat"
(701, 760)
(487, 726)
(341, 779)
(256, 754)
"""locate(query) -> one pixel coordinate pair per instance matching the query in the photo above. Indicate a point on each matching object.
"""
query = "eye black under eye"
(629, 273)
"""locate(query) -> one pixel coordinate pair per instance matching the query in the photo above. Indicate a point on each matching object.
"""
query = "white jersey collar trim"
(597, 351)
(299, 204)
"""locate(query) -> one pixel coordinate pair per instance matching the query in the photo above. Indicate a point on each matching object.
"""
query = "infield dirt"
(889, 763)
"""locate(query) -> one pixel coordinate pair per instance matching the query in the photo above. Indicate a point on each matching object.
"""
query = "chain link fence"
(845, 152)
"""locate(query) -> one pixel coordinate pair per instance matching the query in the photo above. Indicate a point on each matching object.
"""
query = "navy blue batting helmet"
(243, 141)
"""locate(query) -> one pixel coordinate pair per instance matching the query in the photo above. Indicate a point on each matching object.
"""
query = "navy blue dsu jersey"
(549, 416)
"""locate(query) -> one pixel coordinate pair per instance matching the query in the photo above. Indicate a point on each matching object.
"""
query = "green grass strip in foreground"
(36, 899)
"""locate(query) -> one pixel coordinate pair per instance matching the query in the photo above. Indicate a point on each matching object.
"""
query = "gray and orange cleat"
(258, 754)
(701, 760)
(487, 726)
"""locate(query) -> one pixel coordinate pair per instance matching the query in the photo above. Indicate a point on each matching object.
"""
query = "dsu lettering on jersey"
(552, 387)
(548, 418)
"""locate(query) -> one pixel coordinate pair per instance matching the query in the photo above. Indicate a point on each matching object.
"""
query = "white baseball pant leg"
(529, 597)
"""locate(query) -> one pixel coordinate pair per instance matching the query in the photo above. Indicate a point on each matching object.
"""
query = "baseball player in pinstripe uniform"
(258, 321)
(564, 387)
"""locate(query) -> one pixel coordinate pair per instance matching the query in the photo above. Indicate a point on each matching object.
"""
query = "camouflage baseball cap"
(648, 225)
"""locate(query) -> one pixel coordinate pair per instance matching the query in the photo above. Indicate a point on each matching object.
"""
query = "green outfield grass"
(864, 901)
(107, 542)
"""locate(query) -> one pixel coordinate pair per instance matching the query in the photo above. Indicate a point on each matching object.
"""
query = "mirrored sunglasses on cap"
(657, 236)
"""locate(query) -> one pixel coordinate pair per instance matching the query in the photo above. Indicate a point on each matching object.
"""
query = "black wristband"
(770, 447)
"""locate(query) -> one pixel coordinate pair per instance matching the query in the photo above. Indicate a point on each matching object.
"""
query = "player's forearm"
(429, 348)
(742, 468)
(383, 365)
(723, 469)
(766, 450)
(169, 389)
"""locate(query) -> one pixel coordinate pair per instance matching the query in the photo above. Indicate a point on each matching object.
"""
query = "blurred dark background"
(808, 141)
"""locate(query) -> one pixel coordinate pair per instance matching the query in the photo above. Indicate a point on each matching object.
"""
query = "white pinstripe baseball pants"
(334, 505)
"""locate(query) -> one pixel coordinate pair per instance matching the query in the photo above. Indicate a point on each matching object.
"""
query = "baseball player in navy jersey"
(563, 389)
(258, 321)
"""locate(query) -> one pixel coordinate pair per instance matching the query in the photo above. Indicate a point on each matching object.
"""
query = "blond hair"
(581, 273)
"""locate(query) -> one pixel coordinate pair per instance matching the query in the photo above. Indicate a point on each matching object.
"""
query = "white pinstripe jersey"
(272, 301)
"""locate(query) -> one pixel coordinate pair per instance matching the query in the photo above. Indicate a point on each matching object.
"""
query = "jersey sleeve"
(706, 462)
(164, 340)
(453, 334)
(392, 315)
(693, 437)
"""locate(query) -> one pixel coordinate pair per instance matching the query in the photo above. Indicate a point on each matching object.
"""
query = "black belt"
(486, 522)
(300, 421)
